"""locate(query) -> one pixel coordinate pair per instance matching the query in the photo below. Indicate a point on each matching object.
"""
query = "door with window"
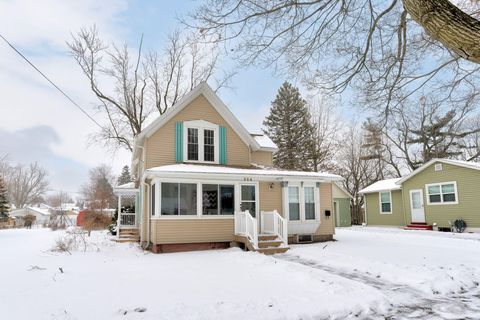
(248, 199)
(416, 205)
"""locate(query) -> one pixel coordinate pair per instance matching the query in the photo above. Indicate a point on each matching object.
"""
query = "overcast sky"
(39, 124)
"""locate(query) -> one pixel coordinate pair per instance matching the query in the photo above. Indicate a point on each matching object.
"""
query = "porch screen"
(179, 199)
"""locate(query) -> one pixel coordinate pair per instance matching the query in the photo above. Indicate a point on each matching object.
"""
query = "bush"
(29, 220)
(96, 221)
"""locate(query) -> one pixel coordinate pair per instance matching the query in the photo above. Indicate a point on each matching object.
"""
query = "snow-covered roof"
(43, 212)
(382, 185)
(265, 142)
(125, 188)
(461, 163)
(129, 185)
(188, 170)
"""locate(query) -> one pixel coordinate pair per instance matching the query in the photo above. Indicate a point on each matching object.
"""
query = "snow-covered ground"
(368, 273)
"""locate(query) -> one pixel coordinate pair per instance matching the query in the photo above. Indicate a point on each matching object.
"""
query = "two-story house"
(203, 181)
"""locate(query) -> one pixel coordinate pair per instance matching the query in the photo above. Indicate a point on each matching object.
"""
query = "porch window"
(218, 199)
(294, 203)
(179, 199)
(248, 199)
(152, 196)
(309, 195)
(442, 193)
(192, 148)
(385, 202)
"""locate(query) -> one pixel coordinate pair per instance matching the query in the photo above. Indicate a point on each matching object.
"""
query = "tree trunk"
(446, 23)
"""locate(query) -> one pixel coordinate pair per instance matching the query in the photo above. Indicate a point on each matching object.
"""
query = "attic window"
(438, 167)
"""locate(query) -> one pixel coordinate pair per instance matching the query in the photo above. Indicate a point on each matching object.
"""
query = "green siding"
(223, 145)
(179, 142)
(468, 190)
(396, 218)
(344, 212)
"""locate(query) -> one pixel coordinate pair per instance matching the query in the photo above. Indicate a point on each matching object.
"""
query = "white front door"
(416, 205)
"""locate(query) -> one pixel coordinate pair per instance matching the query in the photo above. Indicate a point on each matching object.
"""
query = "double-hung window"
(202, 141)
(442, 193)
(385, 202)
(302, 203)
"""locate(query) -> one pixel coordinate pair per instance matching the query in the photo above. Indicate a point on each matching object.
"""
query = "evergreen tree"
(289, 125)
(4, 204)
(125, 177)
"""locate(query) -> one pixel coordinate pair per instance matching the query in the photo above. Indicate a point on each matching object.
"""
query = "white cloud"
(40, 30)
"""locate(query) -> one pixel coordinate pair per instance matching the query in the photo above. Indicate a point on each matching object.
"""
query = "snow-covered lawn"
(367, 274)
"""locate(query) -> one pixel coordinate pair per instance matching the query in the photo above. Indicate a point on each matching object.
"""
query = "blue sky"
(40, 125)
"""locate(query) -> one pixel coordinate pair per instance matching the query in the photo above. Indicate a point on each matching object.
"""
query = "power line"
(51, 82)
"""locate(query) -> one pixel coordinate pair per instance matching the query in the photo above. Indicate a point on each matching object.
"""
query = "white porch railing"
(272, 222)
(246, 225)
(127, 219)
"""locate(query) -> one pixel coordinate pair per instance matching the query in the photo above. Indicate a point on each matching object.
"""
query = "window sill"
(441, 203)
(386, 213)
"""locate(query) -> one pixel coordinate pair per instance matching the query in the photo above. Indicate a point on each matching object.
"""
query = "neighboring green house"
(439, 192)
(341, 206)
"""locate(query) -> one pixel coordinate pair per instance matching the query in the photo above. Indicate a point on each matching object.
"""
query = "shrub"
(96, 221)
(29, 220)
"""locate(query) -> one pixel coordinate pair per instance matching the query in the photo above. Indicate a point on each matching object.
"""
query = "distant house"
(42, 216)
(341, 206)
(204, 181)
(439, 192)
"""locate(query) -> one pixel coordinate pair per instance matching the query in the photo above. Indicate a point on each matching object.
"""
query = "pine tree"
(125, 177)
(289, 125)
(4, 204)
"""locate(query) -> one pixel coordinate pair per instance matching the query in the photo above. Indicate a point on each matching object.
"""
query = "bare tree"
(144, 84)
(98, 192)
(326, 129)
(430, 130)
(25, 183)
(58, 199)
(371, 46)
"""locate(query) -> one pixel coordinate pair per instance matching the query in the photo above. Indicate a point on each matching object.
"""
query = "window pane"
(448, 188)
(192, 147)
(385, 196)
(188, 199)
(227, 200)
(153, 199)
(169, 199)
(310, 211)
(294, 211)
(435, 198)
(449, 197)
(250, 206)
(248, 193)
(210, 199)
(309, 194)
(416, 200)
(293, 196)
(433, 189)
(386, 207)
(209, 145)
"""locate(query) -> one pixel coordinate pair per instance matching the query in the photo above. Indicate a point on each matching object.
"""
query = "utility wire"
(51, 82)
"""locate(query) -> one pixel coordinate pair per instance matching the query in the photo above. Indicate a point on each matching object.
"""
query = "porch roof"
(127, 188)
(194, 170)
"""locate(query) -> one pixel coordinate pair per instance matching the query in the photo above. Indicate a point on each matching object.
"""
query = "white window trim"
(201, 125)
(380, 202)
(237, 189)
(301, 187)
(441, 203)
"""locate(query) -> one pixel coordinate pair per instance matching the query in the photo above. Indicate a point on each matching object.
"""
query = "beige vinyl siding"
(270, 199)
(374, 217)
(262, 157)
(338, 193)
(468, 191)
(193, 230)
(327, 224)
(161, 145)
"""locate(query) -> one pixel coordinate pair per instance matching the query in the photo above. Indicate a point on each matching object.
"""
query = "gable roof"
(460, 163)
(382, 185)
(339, 186)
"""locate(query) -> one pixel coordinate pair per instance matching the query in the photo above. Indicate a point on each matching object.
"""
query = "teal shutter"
(223, 145)
(179, 142)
